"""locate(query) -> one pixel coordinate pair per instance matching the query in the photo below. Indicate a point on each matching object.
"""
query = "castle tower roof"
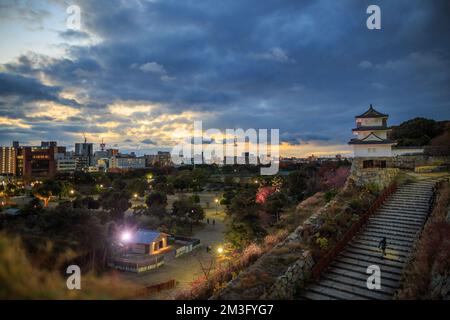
(372, 113)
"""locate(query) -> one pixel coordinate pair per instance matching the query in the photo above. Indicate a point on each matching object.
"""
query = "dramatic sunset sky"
(139, 71)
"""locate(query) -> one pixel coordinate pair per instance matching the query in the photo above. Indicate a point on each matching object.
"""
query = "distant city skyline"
(137, 72)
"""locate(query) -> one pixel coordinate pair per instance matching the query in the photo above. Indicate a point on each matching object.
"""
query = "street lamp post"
(217, 204)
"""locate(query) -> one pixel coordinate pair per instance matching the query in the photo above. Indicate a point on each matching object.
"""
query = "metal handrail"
(324, 262)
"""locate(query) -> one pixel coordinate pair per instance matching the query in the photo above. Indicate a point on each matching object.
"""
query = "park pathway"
(400, 220)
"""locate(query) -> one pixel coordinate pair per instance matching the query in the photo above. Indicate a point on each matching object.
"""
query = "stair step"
(391, 256)
(390, 244)
(407, 217)
(359, 283)
(332, 293)
(396, 222)
(358, 292)
(377, 260)
(399, 242)
(372, 251)
(404, 232)
(412, 194)
(363, 277)
(402, 213)
(387, 272)
(388, 234)
(311, 295)
(394, 227)
(406, 203)
(404, 209)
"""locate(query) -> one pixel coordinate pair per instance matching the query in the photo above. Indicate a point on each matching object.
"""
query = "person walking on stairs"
(382, 245)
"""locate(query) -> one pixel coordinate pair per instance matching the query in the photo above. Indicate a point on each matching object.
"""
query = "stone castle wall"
(296, 275)
(382, 177)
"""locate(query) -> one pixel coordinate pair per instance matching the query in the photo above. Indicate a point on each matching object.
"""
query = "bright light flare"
(126, 236)
(220, 250)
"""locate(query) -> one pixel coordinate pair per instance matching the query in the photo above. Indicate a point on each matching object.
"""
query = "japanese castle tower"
(372, 140)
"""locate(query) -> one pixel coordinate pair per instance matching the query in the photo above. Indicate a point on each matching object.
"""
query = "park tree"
(156, 198)
(119, 184)
(275, 203)
(116, 203)
(227, 197)
(156, 210)
(86, 202)
(182, 181)
(33, 207)
(195, 198)
(244, 225)
(184, 208)
(44, 191)
(65, 188)
(138, 186)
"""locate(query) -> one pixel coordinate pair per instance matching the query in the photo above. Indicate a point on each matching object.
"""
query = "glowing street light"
(135, 195)
(72, 191)
(101, 186)
(126, 236)
(219, 250)
(217, 203)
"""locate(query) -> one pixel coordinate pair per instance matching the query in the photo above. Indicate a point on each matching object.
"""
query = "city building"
(82, 162)
(8, 161)
(372, 135)
(111, 152)
(85, 151)
(48, 144)
(67, 165)
(161, 159)
(37, 162)
(126, 162)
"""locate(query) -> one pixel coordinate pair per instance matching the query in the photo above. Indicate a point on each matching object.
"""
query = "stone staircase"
(400, 219)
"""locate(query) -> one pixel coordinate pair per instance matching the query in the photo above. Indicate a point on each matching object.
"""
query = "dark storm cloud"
(29, 89)
(305, 67)
(148, 141)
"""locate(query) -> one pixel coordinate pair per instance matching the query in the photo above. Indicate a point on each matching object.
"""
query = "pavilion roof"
(372, 113)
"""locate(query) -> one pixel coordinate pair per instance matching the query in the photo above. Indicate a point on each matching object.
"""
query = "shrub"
(330, 194)
(355, 205)
(322, 242)
(373, 188)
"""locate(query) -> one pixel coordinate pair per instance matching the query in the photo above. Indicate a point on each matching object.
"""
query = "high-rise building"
(37, 162)
(8, 161)
(85, 150)
(47, 144)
